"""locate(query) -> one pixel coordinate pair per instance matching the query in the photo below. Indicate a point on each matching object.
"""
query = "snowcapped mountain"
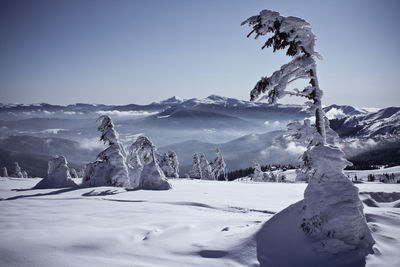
(384, 121)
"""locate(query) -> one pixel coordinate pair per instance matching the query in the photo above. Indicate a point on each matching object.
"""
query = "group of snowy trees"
(205, 170)
(17, 172)
(139, 169)
(331, 212)
(273, 175)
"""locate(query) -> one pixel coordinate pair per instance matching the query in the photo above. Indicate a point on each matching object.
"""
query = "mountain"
(382, 122)
(243, 130)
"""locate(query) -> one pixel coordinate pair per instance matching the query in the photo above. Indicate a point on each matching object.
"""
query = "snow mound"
(285, 226)
(332, 211)
(58, 175)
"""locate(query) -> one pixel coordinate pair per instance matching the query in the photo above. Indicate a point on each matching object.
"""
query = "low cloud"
(91, 144)
(130, 113)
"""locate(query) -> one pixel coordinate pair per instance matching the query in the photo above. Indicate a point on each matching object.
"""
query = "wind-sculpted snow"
(199, 223)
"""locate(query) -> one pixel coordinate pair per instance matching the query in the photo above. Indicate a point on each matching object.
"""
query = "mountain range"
(243, 130)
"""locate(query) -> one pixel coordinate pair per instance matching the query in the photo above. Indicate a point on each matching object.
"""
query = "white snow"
(197, 223)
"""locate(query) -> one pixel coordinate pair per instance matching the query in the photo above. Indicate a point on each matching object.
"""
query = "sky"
(140, 51)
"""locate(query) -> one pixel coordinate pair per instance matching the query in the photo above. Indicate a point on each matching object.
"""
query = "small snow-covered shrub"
(4, 172)
(17, 171)
(73, 173)
(58, 175)
(196, 170)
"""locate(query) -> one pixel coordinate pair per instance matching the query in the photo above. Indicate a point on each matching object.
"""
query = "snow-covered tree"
(144, 171)
(24, 174)
(258, 174)
(4, 172)
(196, 170)
(332, 213)
(169, 164)
(81, 173)
(206, 171)
(110, 168)
(58, 175)
(73, 173)
(218, 165)
(17, 171)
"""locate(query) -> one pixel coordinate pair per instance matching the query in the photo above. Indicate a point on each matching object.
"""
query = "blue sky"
(120, 52)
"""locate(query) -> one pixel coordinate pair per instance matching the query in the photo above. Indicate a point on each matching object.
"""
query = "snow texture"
(58, 175)
(199, 223)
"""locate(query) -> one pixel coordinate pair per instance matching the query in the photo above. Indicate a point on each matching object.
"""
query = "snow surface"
(197, 223)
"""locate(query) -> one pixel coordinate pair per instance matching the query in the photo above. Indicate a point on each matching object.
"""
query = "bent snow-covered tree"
(218, 165)
(110, 168)
(144, 171)
(58, 175)
(332, 213)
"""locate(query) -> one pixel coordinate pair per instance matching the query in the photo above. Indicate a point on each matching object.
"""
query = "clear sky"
(140, 51)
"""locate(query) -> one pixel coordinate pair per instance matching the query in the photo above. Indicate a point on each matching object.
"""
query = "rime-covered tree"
(169, 164)
(196, 170)
(17, 171)
(206, 171)
(218, 165)
(73, 173)
(58, 175)
(110, 168)
(331, 212)
(4, 172)
(304, 133)
(258, 174)
(144, 171)
(24, 174)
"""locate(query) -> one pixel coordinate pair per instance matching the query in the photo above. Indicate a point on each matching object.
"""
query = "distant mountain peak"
(173, 100)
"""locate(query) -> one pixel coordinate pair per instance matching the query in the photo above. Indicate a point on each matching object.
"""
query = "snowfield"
(197, 223)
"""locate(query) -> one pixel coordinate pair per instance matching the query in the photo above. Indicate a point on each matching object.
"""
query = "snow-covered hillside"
(197, 223)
